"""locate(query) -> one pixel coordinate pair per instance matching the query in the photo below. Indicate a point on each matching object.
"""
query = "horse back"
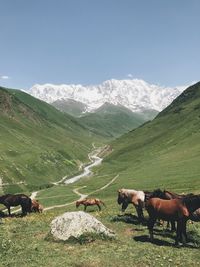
(166, 209)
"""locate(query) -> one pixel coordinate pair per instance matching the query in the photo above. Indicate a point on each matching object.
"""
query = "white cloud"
(129, 75)
(4, 77)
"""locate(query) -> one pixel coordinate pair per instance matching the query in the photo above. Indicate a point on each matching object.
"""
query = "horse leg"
(178, 232)
(140, 211)
(184, 234)
(168, 224)
(23, 210)
(173, 226)
(99, 207)
(85, 207)
(150, 225)
(8, 207)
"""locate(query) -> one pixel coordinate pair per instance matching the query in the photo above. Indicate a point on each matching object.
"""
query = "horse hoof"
(178, 245)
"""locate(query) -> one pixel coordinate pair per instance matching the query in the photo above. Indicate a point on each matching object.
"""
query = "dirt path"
(76, 191)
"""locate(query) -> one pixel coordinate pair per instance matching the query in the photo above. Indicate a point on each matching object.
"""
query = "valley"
(162, 153)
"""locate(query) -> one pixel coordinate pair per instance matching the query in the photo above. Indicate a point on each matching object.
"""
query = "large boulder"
(76, 224)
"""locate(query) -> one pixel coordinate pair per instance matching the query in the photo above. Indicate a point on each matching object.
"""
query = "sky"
(90, 41)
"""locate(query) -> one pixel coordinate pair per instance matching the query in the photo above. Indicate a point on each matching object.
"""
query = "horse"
(165, 194)
(137, 198)
(10, 200)
(158, 193)
(36, 206)
(177, 209)
(195, 216)
(90, 202)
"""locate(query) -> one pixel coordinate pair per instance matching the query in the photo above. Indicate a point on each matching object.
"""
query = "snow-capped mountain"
(137, 95)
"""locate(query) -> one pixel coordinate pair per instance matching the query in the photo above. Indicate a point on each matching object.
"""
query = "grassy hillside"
(112, 121)
(38, 143)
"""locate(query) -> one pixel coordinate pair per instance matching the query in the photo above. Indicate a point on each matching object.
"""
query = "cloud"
(129, 75)
(4, 77)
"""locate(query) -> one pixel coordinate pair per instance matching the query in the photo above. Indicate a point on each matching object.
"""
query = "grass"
(25, 242)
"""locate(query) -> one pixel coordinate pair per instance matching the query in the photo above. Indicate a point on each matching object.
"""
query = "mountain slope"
(38, 143)
(164, 152)
(70, 106)
(137, 95)
(111, 120)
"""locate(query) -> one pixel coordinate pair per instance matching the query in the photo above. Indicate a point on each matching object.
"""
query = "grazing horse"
(178, 209)
(90, 202)
(36, 206)
(137, 198)
(10, 200)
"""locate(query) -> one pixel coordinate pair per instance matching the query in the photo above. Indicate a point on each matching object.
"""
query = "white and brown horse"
(131, 196)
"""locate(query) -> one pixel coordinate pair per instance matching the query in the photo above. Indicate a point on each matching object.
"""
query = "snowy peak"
(136, 95)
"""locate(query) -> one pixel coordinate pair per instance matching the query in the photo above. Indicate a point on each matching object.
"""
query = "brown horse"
(171, 195)
(90, 202)
(36, 206)
(137, 198)
(10, 200)
(177, 210)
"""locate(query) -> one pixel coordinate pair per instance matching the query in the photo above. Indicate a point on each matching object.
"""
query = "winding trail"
(82, 196)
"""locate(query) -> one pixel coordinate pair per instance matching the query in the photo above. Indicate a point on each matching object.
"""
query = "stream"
(95, 161)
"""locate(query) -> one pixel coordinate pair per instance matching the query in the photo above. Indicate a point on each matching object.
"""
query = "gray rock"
(75, 224)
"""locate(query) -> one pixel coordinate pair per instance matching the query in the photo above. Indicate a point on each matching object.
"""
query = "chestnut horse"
(137, 198)
(178, 209)
(36, 206)
(9, 200)
(90, 202)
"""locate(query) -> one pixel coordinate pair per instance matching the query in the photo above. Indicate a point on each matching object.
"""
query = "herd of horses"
(27, 204)
(160, 205)
(164, 205)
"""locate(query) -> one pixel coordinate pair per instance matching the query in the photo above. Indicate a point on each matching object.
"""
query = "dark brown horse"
(90, 202)
(178, 209)
(10, 200)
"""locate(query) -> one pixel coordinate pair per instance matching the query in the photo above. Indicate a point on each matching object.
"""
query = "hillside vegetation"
(38, 143)
(70, 106)
(111, 121)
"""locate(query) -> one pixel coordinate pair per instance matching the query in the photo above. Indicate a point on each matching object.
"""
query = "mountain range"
(136, 95)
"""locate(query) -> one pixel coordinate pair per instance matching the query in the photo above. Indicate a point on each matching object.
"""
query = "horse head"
(122, 195)
(77, 204)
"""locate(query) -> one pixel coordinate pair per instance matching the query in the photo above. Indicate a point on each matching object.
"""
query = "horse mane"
(157, 193)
